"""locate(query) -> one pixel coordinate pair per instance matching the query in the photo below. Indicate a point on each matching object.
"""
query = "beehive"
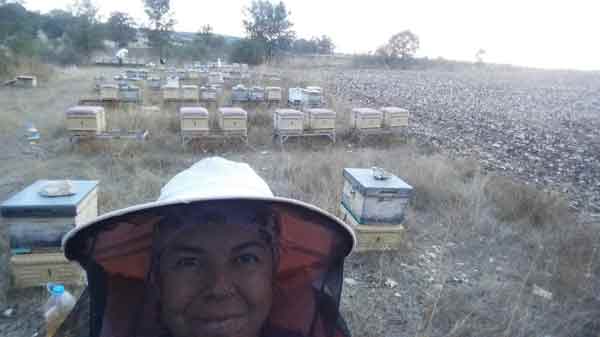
(208, 94)
(215, 78)
(257, 94)
(194, 120)
(26, 81)
(154, 83)
(374, 197)
(38, 269)
(321, 119)
(130, 73)
(295, 96)
(288, 121)
(273, 94)
(35, 220)
(373, 237)
(312, 97)
(86, 120)
(239, 93)
(366, 118)
(109, 92)
(170, 92)
(394, 117)
(143, 74)
(190, 92)
(233, 120)
(130, 93)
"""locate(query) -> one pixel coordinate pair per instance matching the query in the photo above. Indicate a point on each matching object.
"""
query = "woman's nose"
(221, 285)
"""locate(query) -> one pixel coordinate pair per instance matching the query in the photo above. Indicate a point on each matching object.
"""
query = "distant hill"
(188, 36)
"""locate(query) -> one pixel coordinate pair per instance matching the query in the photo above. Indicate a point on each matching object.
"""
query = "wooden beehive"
(26, 81)
(109, 92)
(215, 78)
(154, 83)
(239, 93)
(38, 269)
(257, 94)
(312, 97)
(86, 120)
(38, 221)
(366, 118)
(233, 120)
(130, 93)
(194, 120)
(288, 121)
(208, 94)
(273, 94)
(170, 92)
(321, 119)
(190, 92)
(394, 117)
(373, 237)
(374, 197)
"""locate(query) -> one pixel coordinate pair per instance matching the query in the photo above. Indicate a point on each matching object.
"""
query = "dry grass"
(472, 216)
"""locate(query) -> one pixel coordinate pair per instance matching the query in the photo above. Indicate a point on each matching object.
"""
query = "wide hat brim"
(126, 237)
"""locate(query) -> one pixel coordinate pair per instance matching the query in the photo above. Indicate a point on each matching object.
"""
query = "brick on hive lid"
(366, 118)
(86, 120)
(288, 121)
(394, 117)
(232, 119)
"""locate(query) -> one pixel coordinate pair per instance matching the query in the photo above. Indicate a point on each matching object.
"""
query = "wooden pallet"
(373, 237)
(39, 268)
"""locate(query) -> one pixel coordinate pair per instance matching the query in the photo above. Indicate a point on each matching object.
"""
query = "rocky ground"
(541, 126)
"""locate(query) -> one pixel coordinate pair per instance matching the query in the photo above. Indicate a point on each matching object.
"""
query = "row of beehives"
(91, 119)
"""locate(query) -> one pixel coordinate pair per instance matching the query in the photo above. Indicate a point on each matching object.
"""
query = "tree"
(121, 28)
(85, 33)
(403, 45)
(325, 45)
(56, 22)
(206, 44)
(270, 25)
(162, 22)
(248, 51)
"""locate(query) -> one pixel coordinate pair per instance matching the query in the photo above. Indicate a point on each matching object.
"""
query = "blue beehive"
(375, 197)
(36, 218)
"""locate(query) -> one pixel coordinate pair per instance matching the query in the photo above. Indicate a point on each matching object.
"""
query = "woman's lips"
(229, 323)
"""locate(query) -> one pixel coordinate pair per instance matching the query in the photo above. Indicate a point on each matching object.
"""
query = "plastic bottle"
(58, 307)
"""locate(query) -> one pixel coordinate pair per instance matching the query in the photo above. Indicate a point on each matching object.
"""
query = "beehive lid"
(392, 109)
(29, 202)
(315, 89)
(84, 110)
(321, 112)
(257, 89)
(273, 89)
(364, 180)
(367, 112)
(25, 77)
(170, 86)
(189, 86)
(109, 86)
(239, 87)
(289, 113)
(233, 111)
(193, 110)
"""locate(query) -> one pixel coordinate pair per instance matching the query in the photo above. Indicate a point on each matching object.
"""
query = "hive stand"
(138, 135)
(215, 135)
(284, 136)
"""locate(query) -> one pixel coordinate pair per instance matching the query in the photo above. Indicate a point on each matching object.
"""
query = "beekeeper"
(217, 255)
(121, 55)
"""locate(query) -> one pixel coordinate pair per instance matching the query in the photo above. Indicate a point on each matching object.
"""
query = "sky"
(536, 33)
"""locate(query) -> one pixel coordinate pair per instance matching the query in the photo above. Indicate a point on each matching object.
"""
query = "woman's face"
(216, 281)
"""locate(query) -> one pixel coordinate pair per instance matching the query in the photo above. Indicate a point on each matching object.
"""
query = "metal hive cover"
(366, 182)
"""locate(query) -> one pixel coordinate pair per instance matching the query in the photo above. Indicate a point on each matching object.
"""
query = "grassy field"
(478, 246)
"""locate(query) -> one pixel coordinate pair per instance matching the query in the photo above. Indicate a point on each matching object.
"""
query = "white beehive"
(215, 78)
(273, 94)
(239, 93)
(295, 96)
(194, 120)
(288, 121)
(208, 94)
(154, 83)
(86, 120)
(109, 92)
(366, 118)
(321, 119)
(312, 97)
(170, 92)
(257, 94)
(190, 92)
(394, 117)
(233, 120)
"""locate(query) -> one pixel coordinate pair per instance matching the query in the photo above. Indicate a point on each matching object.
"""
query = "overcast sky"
(538, 33)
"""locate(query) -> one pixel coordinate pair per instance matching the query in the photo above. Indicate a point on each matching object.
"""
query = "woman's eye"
(247, 259)
(187, 262)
